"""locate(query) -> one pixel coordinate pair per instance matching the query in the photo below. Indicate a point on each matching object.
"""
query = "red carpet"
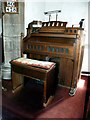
(28, 103)
(69, 107)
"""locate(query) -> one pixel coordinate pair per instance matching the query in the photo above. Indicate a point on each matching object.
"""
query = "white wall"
(86, 64)
(0, 26)
(33, 11)
(72, 12)
(89, 36)
(0, 19)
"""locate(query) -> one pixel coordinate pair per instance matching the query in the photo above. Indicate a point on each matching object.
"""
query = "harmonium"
(54, 42)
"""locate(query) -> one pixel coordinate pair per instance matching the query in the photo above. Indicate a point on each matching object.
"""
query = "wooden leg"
(72, 91)
(46, 102)
(4, 89)
(17, 81)
(17, 89)
(44, 92)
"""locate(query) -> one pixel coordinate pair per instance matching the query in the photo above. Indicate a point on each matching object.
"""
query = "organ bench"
(38, 70)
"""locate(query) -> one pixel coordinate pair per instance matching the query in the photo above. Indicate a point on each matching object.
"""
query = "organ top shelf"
(52, 29)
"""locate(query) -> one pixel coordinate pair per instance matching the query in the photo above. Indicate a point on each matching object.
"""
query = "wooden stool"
(38, 70)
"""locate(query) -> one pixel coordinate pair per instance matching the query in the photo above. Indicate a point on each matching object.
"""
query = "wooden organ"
(61, 44)
(53, 42)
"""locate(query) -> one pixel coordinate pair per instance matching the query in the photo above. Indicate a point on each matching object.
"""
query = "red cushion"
(35, 63)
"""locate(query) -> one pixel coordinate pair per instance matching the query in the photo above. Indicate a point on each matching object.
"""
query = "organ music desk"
(59, 44)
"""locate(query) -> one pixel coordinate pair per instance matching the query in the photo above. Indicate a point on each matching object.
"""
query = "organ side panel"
(66, 71)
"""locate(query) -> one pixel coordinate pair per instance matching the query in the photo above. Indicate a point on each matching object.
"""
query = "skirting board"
(85, 73)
